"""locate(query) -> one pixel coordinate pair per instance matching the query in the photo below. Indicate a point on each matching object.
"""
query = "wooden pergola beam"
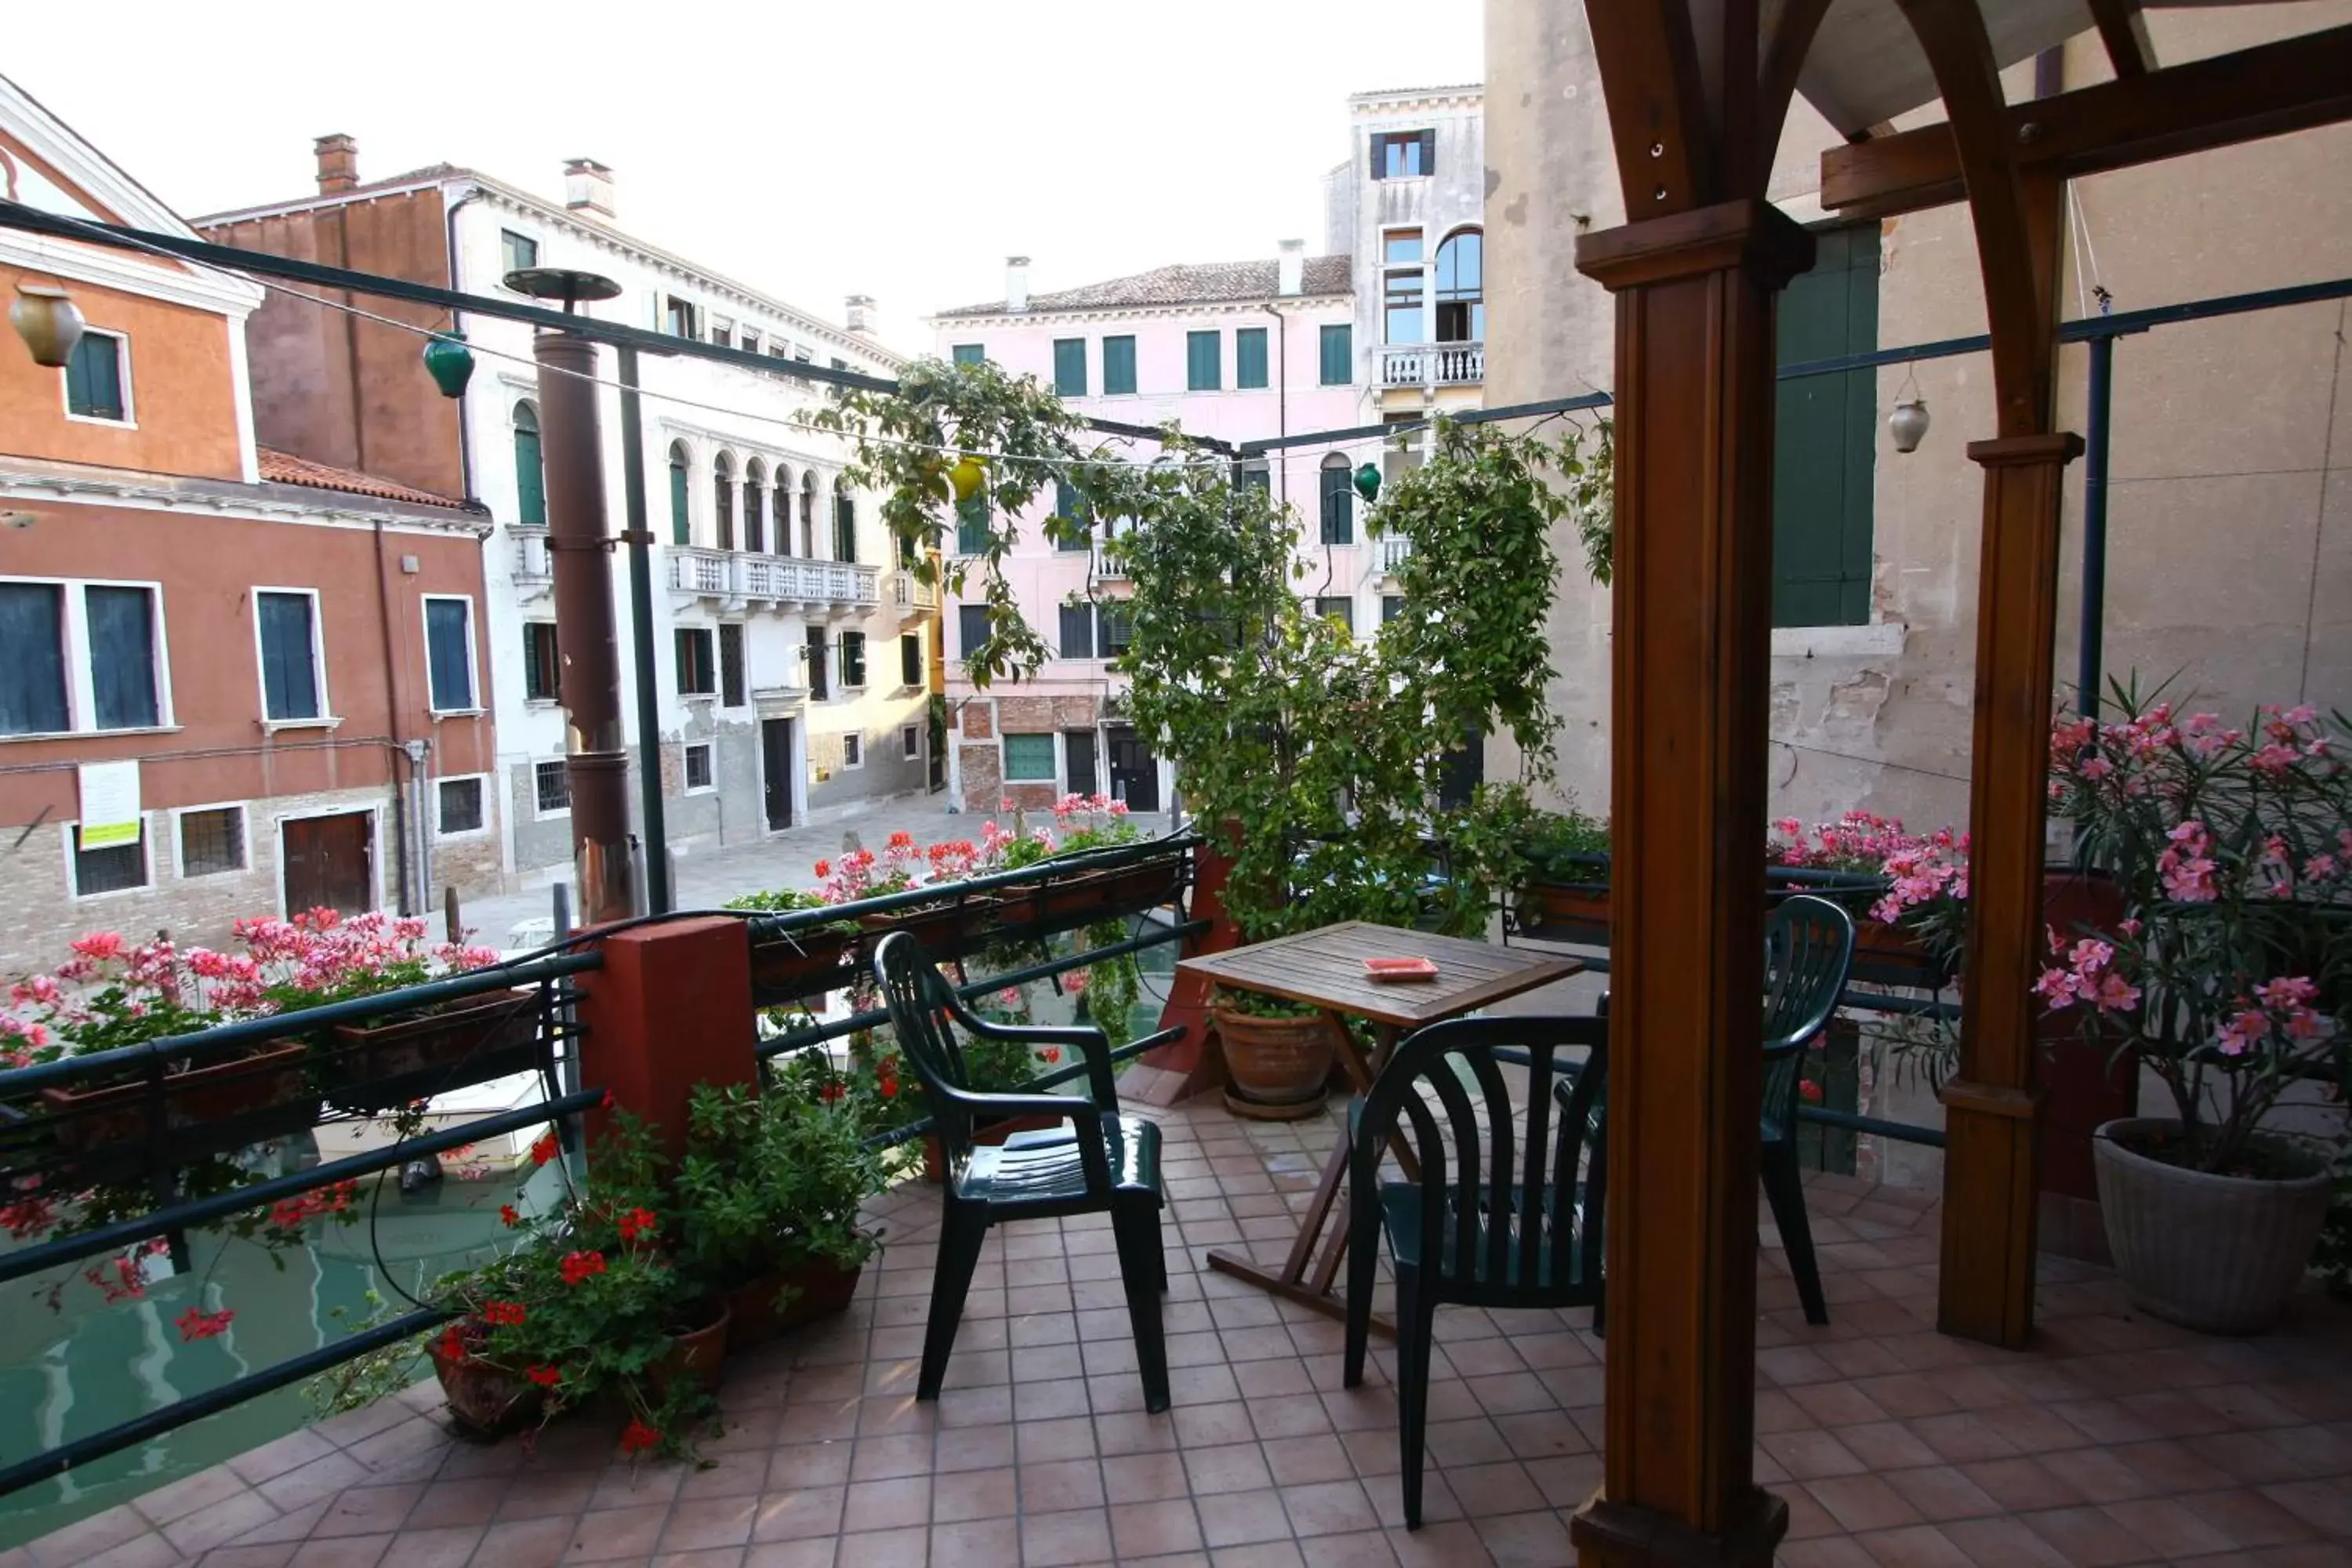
(2267, 90)
(2123, 30)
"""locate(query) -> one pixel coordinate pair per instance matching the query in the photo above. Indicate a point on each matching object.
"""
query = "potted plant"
(2230, 974)
(807, 961)
(766, 1195)
(587, 1308)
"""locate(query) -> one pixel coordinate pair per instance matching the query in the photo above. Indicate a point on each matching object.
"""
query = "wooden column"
(1992, 1110)
(1696, 295)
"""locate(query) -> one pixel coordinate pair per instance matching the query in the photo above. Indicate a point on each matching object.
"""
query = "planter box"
(380, 1067)
(753, 1318)
(786, 968)
(956, 929)
(207, 1111)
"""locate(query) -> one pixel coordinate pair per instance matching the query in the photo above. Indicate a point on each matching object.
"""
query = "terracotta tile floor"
(2118, 1440)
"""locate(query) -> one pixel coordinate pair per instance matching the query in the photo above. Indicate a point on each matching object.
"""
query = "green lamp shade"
(450, 362)
(1367, 482)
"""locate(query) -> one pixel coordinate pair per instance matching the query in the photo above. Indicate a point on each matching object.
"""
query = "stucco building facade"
(790, 649)
(2229, 564)
(1385, 327)
(229, 678)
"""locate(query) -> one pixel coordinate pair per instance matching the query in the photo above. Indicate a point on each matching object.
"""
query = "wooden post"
(1695, 299)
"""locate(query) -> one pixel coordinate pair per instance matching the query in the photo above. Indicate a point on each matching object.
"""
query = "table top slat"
(1324, 968)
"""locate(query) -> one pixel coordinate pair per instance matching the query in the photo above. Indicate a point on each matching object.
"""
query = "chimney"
(338, 162)
(859, 315)
(1016, 282)
(1290, 267)
(588, 188)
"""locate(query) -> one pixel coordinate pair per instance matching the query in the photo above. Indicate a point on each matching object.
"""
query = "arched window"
(722, 491)
(681, 507)
(783, 513)
(1461, 287)
(845, 527)
(755, 502)
(530, 474)
(1339, 501)
(808, 515)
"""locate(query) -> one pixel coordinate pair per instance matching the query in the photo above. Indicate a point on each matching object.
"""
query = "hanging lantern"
(966, 477)
(1367, 482)
(46, 317)
(450, 362)
(1909, 423)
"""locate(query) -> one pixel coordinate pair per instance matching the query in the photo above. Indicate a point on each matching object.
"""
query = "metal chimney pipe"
(596, 762)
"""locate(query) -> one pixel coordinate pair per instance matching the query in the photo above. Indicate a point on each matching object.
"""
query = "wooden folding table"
(1324, 969)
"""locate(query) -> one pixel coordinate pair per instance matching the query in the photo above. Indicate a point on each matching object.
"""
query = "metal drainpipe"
(393, 716)
(457, 324)
(597, 758)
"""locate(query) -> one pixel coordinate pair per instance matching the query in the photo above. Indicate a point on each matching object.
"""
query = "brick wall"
(983, 777)
(979, 717)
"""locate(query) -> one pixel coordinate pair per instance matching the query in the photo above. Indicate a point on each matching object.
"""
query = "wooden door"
(1134, 770)
(776, 771)
(1078, 746)
(330, 862)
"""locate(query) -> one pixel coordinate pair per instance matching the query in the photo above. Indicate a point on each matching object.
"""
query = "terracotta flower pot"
(822, 1289)
(485, 1402)
(375, 1067)
(695, 1355)
(207, 1111)
(1277, 1066)
(2220, 1253)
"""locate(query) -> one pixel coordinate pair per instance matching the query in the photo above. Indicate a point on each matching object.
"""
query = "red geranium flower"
(637, 1438)
(543, 1150)
(830, 1092)
(545, 1375)
(578, 1266)
(195, 1324)
(503, 1314)
(639, 1222)
(1809, 1090)
(1052, 1055)
(453, 1343)
(508, 1216)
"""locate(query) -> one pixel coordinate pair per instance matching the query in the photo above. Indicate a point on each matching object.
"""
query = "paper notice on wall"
(109, 804)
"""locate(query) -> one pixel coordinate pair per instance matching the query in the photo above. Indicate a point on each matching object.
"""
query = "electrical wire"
(802, 424)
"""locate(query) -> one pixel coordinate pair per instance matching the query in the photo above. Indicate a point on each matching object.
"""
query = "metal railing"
(734, 574)
(534, 566)
(39, 1144)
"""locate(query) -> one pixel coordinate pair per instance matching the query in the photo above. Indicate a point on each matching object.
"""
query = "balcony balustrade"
(911, 594)
(739, 580)
(1395, 548)
(1434, 365)
(1107, 564)
(534, 564)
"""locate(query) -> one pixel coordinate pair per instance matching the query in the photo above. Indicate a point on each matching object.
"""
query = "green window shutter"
(1118, 365)
(844, 528)
(1070, 367)
(94, 377)
(1339, 354)
(1203, 370)
(530, 478)
(1249, 357)
(970, 353)
(681, 508)
(1825, 438)
(1339, 504)
(1029, 758)
(972, 525)
(910, 659)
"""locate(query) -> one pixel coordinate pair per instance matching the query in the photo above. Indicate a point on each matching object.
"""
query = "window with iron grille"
(553, 784)
(461, 806)
(731, 665)
(853, 750)
(542, 668)
(109, 868)
(1028, 758)
(697, 674)
(910, 743)
(212, 841)
(698, 770)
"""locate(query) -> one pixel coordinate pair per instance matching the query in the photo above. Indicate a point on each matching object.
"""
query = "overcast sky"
(901, 147)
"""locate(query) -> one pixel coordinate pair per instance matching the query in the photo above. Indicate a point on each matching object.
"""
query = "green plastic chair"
(1103, 1161)
(1807, 954)
(1505, 1214)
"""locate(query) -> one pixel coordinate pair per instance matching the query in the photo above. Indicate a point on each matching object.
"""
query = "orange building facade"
(232, 682)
